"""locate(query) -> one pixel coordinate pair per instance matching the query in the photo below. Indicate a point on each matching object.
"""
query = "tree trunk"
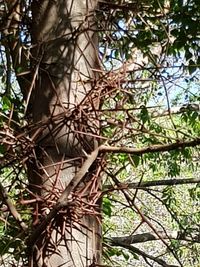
(64, 59)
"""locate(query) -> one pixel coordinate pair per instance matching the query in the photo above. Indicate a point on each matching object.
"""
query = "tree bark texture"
(62, 103)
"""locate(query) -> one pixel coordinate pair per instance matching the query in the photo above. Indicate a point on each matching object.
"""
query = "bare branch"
(141, 253)
(146, 220)
(63, 200)
(176, 110)
(146, 184)
(124, 7)
(150, 149)
(140, 238)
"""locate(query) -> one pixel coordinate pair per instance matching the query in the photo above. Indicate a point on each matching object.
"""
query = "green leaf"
(136, 160)
(126, 255)
(192, 66)
(2, 150)
(135, 256)
(6, 103)
(144, 115)
(107, 206)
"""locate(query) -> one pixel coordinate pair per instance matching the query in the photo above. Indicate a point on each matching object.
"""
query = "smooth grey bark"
(64, 59)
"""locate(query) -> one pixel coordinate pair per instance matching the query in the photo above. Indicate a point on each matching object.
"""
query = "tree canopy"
(142, 107)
